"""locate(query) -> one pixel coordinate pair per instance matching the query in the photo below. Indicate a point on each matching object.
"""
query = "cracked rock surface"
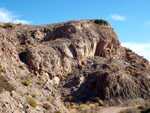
(48, 63)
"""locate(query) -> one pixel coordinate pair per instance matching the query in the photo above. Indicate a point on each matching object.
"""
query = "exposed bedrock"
(72, 42)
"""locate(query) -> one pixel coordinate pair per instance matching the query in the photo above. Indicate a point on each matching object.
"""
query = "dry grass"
(85, 108)
(31, 102)
(9, 26)
(39, 82)
(49, 98)
(57, 111)
(25, 82)
(34, 95)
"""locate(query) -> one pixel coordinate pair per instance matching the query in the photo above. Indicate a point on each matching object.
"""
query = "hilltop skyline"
(129, 19)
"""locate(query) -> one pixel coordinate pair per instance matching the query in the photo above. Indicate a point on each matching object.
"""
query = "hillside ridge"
(82, 60)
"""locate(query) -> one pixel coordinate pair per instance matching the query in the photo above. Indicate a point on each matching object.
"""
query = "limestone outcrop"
(72, 42)
(53, 67)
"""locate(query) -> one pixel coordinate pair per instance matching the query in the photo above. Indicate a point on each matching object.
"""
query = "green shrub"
(0, 67)
(141, 107)
(34, 94)
(26, 82)
(39, 82)
(28, 93)
(100, 22)
(4, 84)
(31, 102)
(70, 98)
(49, 98)
(146, 109)
(42, 79)
(57, 111)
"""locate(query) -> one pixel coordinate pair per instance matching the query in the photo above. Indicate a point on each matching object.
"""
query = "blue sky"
(129, 18)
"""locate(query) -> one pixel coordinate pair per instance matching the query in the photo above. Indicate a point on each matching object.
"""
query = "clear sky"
(129, 18)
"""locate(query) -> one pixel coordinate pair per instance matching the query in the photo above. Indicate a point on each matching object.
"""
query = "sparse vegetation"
(4, 84)
(144, 109)
(23, 48)
(100, 22)
(96, 76)
(26, 82)
(88, 107)
(141, 107)
(70, 98)
(57, 111)
(31, 102)
(34, 94)
(9, 26)
(39, 82)
(0, 67)
(28, 93)
(49, 98)
(42, 79)
(95, 100)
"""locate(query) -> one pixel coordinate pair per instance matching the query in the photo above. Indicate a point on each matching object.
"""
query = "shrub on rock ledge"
(100, 22)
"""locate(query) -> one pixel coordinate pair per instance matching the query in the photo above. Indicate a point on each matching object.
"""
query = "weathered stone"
(78, 58)
(58, 57)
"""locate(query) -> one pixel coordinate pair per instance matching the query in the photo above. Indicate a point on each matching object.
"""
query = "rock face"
(73, 41)
(8, 52)
(113, 80)
(80, 58)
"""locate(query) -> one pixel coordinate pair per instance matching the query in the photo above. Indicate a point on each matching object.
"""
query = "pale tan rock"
(86, 39)
(66, 58)
(8, 52)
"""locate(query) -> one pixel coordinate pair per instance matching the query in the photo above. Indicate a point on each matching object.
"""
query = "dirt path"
(112, 109)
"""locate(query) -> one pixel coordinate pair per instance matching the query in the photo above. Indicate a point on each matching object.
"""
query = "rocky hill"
(48, 68)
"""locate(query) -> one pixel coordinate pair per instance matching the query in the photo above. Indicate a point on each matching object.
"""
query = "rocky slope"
(80, 58)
